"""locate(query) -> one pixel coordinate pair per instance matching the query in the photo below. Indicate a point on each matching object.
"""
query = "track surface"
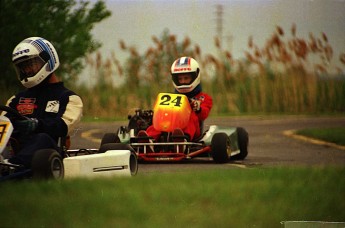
(268, 143)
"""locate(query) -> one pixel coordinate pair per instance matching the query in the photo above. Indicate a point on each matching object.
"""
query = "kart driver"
(52, 110)
(185, 73)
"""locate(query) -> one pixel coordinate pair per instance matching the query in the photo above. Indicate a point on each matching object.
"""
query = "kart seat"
(201, 124)
(64, 143)
(68, 142)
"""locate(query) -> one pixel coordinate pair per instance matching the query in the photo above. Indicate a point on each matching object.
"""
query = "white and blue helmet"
(185, 65)
(34, 58)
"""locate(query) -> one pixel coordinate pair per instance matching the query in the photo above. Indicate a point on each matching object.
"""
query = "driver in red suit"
(185, 74)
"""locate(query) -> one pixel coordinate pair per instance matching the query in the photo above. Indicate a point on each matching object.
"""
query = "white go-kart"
(110, 159)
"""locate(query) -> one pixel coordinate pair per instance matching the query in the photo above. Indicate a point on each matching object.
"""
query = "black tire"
(47, 164)
(220, 145)
(243, 140)
(110, 138)
(133, 159)
(133, 163)
(114, 146)
(132, 124)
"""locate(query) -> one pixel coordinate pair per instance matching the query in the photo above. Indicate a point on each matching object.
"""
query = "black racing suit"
(57, 110)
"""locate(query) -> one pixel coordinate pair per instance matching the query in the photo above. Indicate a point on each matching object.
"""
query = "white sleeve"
(73, 113)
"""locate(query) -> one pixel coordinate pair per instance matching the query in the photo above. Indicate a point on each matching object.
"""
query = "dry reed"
(286, 75)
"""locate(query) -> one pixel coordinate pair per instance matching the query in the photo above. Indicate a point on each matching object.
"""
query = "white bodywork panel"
(110, 163)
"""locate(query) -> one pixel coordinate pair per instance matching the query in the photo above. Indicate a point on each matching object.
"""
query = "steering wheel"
(13, 112)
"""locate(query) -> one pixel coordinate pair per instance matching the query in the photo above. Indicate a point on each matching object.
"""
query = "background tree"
(65, 23)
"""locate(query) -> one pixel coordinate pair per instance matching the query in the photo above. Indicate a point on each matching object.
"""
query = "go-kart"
(110, 159)
(173, 111)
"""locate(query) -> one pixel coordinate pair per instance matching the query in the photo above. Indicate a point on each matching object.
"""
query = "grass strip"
(335, 135)
(261, 197)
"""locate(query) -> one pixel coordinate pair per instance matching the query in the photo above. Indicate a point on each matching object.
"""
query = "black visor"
(28, 67)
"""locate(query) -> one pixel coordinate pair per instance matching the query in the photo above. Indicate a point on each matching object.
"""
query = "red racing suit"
(193, 128)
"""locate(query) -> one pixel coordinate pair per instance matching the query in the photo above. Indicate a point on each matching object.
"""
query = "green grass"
(91, 119)
(335, 135)
(260, 197)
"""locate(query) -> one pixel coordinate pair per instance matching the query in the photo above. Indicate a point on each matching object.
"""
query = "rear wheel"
(243, 139)
(47, 164)
(114, 146)
(220, 145)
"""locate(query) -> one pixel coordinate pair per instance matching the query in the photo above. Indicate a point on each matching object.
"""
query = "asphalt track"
(271, 143)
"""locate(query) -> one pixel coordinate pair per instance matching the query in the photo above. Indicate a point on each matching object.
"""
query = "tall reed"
(289, 74)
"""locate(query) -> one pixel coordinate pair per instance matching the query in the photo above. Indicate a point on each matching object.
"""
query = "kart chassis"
(221, 143)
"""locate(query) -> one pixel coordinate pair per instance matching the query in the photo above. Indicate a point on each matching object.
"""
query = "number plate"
(6, 130)
(171, 111)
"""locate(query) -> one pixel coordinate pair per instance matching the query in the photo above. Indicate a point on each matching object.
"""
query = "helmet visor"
(183, 79)
(28, 67)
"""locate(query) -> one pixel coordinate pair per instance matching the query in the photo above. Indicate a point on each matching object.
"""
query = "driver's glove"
(26, 126)
(195, 104)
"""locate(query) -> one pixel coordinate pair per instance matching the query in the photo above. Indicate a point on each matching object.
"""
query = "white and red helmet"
(38, 52)
(185, 65)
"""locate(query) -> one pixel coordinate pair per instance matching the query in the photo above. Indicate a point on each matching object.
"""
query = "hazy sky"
(135, 21)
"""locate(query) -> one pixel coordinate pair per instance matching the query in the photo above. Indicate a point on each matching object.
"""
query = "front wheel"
(47, 164)
(110, 138)
(220, 145)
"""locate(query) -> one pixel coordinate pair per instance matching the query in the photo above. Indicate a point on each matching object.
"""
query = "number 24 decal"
(167, 100)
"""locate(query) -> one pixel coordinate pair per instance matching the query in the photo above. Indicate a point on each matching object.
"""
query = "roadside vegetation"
(334, 135)
(288, 75)
(252, 197)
